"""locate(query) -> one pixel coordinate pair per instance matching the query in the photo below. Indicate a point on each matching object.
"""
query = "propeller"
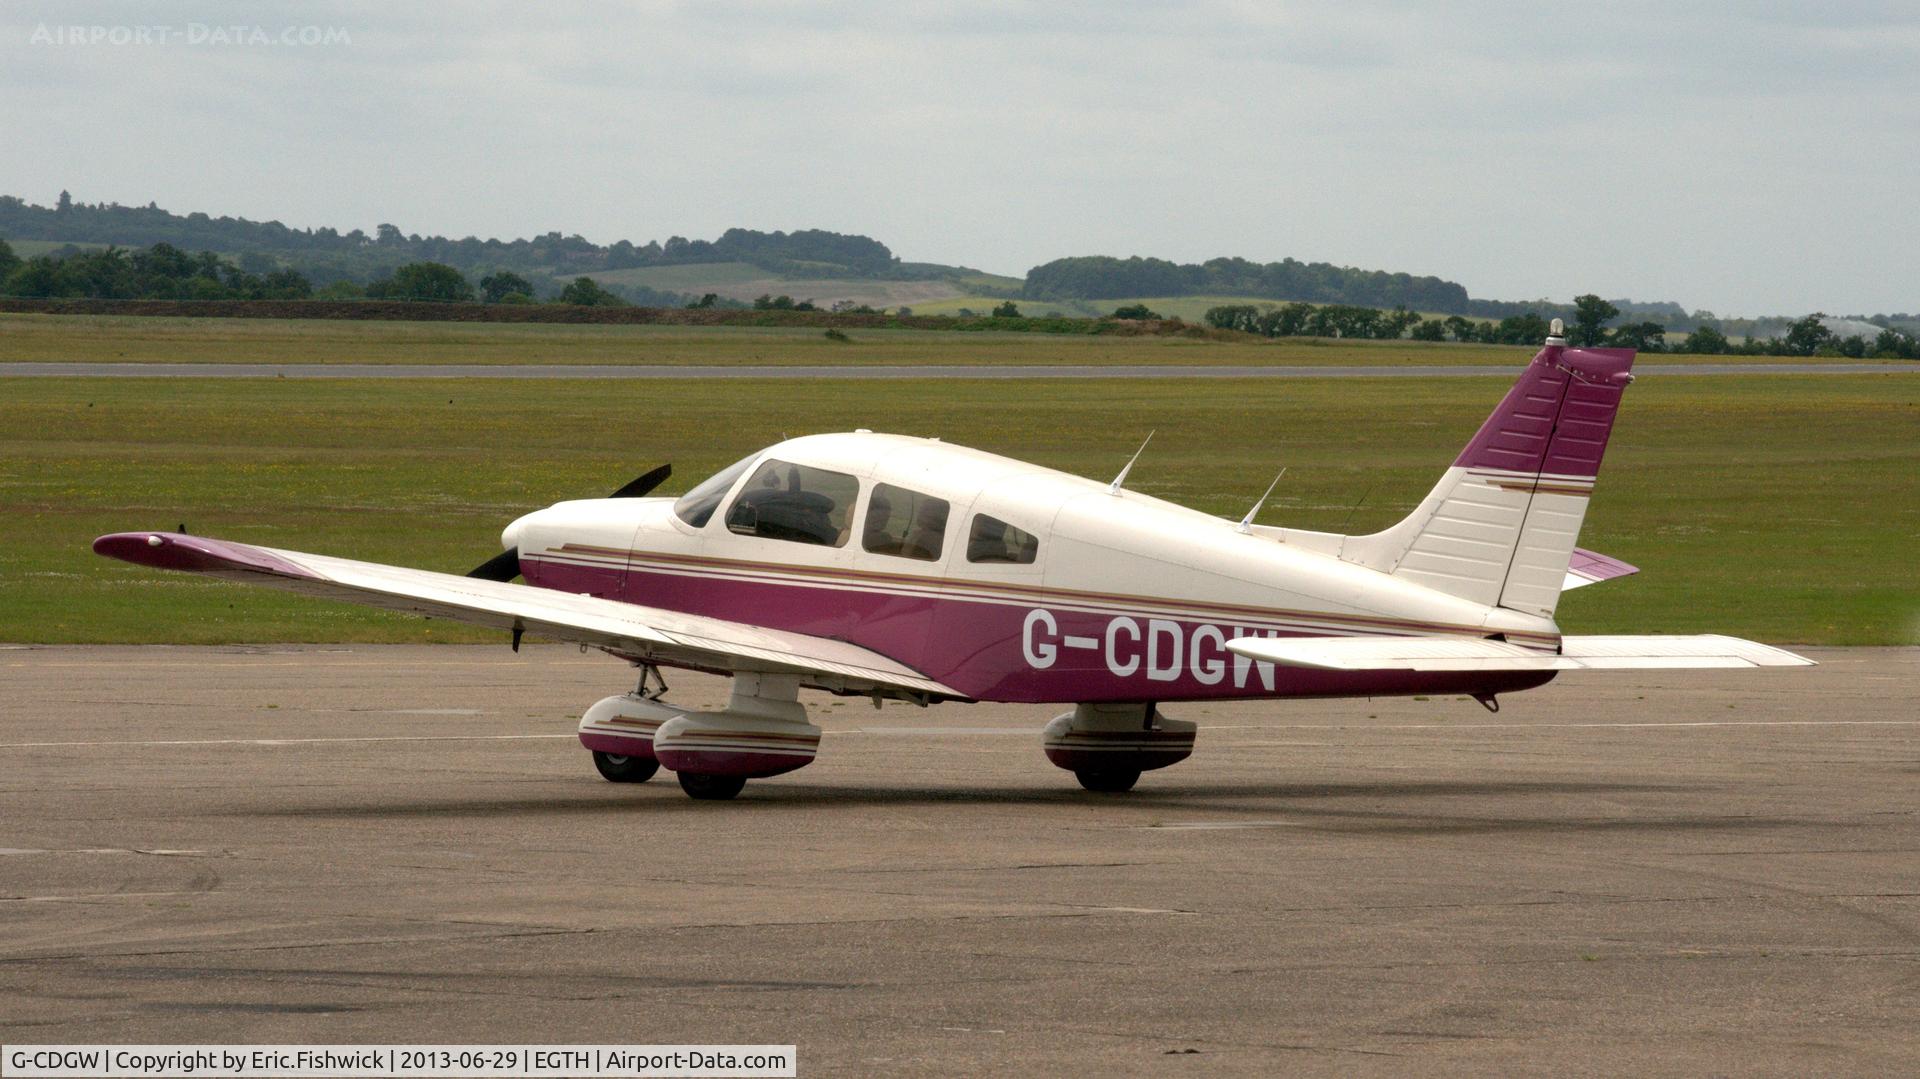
(505, 566)
(641, 485)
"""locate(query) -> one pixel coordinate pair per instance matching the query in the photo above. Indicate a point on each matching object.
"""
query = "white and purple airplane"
(905, 568)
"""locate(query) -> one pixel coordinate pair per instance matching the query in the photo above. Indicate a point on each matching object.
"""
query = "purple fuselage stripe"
(999, 651)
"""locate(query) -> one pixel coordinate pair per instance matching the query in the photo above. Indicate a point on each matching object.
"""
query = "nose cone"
(510, 535)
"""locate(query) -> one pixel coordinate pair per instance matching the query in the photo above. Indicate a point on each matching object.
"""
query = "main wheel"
(710, 788)
(619, 769)
(1108, 780)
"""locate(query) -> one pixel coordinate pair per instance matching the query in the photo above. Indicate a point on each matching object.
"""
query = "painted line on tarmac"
(1558, 726)
(1020, 732)
(296, 741)
(88, 897)
(164, 852)
(38, 369)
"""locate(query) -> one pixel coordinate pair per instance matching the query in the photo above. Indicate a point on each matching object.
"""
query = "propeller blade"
(639, 487)
(504, 566)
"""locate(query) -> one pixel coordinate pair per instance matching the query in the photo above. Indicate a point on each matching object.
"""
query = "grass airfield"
(1785, 508)
(138, 339)
(141, 339)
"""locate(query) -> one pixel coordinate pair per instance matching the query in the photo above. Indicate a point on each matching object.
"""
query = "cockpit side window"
(696, 506)
(905, 523)
(993, 540)
(797, 503)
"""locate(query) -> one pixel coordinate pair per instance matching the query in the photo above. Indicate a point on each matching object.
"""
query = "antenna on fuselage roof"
(1246, 523)
(1114, 488)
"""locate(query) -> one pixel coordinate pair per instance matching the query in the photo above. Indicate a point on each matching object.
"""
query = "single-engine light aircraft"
(906, 568)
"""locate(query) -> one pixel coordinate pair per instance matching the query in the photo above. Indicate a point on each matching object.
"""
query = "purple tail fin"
(1556, 419)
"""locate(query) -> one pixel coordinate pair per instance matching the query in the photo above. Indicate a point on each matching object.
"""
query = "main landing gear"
(625, 768)
(763, 731)
(1107, 746)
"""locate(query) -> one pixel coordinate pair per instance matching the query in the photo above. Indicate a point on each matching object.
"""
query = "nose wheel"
(616, 768)
(1107, 746)
(1108, 780)
(710, 788)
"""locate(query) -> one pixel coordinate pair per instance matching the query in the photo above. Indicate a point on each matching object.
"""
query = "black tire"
(618, 769)
(1108, 780)
(710, 788)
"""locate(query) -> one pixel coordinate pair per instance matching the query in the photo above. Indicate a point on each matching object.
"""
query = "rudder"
(1501, 525)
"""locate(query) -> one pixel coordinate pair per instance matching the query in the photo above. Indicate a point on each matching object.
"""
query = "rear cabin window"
(904, 523)
(993, 540)
(797, 503)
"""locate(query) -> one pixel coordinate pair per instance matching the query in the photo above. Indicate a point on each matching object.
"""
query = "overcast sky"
(1745, 156)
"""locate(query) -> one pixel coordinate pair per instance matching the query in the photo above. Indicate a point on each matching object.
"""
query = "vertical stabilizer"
(1501, 525)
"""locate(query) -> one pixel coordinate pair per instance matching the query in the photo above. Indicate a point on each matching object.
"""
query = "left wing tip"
(137, 547)
(193, 554)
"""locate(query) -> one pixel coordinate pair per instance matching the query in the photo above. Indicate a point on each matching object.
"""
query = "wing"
(624, 628)
(1476, 654)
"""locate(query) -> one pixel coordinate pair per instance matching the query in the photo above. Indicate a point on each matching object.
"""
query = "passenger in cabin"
(879, 537)
(993, 540)
(904, 523)
(929, 528)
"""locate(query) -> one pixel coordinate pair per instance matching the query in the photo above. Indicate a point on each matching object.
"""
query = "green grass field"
(1785, 508)
(139, 339)
(126, 338)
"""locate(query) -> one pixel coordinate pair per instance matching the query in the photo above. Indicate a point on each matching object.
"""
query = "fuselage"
(1002, 579)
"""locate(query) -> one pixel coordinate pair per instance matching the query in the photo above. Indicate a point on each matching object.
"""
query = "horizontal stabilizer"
(1591, 567)
(1479, 654)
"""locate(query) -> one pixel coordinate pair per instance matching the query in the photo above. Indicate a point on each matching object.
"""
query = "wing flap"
(1479, 654)
(630, 629)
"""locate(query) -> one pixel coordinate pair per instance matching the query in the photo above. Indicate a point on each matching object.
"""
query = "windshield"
(696, 506)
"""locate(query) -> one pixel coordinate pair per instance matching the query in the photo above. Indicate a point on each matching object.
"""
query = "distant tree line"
(1101, 277)
(164, 272)
(1593, 322)
(326, 254)
(1310, 320)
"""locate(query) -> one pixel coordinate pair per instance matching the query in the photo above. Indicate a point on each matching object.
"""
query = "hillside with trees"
(546, 262)
(1103, 277)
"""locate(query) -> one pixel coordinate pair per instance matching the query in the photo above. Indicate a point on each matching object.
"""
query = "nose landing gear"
(1107, 746)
